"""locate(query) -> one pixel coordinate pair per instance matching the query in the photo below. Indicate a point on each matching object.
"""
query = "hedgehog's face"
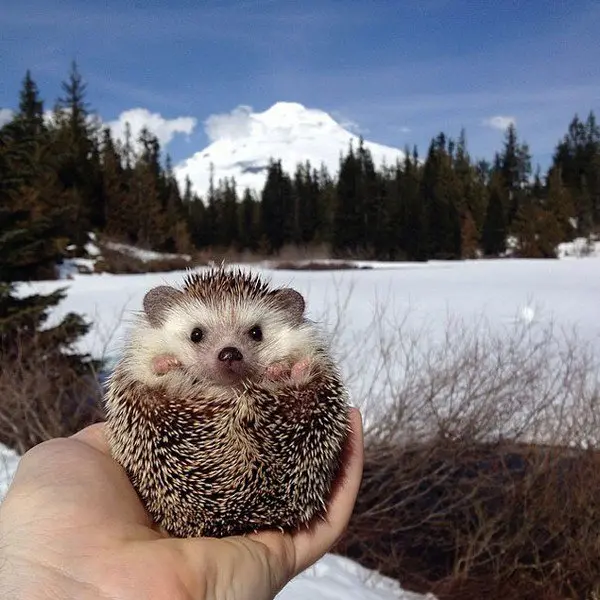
(224, 343)
(230, 341)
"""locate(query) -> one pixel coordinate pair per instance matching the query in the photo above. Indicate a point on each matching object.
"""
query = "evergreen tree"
(249, 222)
(348, 216)
(29, 183)
(196, 216)
(276, 213)
(53, 386)
(325, 205)
(76, 150)
(375, 207)
(177, 232)
(30, 116)
(578, 158)
(211, 218)
(145, 193)
(306, 192)
(414, 234)
(515, 168)
(22, 318)
(560, 204)
(229, 232)
(494, 232)
(119, 215)
(443, 221)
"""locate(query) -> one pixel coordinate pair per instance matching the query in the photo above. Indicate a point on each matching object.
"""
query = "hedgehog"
(226, 409)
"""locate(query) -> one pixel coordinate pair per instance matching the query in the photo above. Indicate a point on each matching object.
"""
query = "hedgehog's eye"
(196, 335)
(256, 333)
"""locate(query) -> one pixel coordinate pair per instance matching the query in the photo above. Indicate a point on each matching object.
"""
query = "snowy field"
(361, 308)
(420, 298)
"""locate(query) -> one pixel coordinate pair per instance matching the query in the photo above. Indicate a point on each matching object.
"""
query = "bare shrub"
(289, 253)
(113, 261)
(482, 468)
(316, 265)
(45, 396)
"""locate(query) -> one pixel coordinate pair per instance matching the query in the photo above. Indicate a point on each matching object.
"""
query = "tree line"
(63, 173)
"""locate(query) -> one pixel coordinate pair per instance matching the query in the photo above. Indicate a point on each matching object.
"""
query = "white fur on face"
(223, 324)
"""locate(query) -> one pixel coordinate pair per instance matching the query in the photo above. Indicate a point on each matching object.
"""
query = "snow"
(244, 141)
(424, 296)
(9, 461)
(579, 247)
(338, 578)
(141, 254)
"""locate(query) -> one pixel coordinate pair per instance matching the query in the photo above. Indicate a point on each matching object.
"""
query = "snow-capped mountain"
(243, 142)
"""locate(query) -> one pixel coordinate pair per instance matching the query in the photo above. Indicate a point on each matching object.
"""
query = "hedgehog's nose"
(230, 354)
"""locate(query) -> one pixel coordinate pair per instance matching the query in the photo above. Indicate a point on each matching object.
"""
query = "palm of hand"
(72, 516)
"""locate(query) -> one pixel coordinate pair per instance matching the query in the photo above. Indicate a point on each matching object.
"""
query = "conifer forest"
(65, 175)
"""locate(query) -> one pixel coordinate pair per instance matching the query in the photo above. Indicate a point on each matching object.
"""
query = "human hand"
(72, 526)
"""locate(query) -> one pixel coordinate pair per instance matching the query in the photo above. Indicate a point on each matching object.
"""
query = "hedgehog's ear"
(157, 301)
(291, 301)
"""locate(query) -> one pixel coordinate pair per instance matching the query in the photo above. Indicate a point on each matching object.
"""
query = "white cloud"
(5, 115)
(500, 122)
(405, 129)
(232, 125)
(163, 129)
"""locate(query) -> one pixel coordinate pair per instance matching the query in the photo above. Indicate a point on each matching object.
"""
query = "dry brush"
(482, 470)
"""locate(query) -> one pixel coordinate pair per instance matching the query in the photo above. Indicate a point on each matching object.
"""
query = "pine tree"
(50, 388)
(493, 237)
(30, 116)
(119, 215)
(249, 218)
(414, 235)
(22, 318)
(559, 203)
(211, 218)
(29, 183)
(229, 232)
(325, 205)
(276, 203)
(348, 217)
(306, 192)
(151, 226)
(76, 149)
(375, 207)
(196, 216)
(515, 168)
(437, 184)
(177, 236)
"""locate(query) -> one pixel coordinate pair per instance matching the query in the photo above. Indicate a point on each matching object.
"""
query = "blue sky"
(399, 70)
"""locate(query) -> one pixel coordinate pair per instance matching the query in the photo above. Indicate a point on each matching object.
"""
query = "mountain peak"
(243, 142)
(284, 109)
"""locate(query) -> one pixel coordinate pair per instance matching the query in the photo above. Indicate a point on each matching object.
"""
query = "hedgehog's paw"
(164, 363)
(277, 371)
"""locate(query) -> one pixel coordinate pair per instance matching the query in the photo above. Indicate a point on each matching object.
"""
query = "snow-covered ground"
(420, 298)
(8, 465)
